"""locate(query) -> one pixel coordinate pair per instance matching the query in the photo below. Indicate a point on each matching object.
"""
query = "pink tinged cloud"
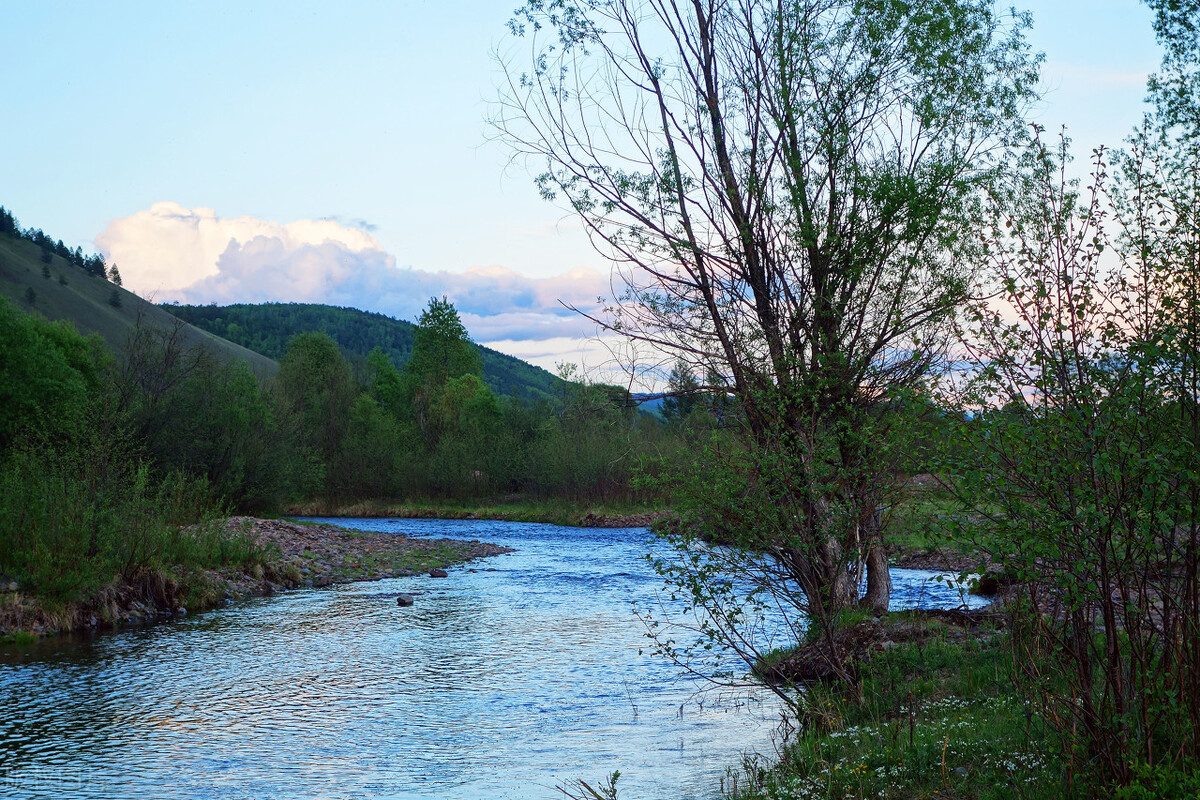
(170, 252)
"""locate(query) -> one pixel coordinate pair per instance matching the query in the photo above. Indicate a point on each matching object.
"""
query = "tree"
(784, 189)
(441, 347)
(48, 372)
(684, 392)
(442, 353)
(315, 391)
(1175, 88)
(8, 223)
(194, 414)
(1081, 473)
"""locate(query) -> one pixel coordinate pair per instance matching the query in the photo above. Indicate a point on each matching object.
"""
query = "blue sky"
(163, 131)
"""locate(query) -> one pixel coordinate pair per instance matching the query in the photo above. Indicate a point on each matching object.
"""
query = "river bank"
(552, 512)
(297, 555)
(908, 552)
(934, 713)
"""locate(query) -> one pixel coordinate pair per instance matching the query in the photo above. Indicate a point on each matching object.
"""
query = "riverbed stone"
(405, 600)
(437, 572)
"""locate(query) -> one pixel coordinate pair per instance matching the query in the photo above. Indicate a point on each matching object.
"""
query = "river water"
(514, 675)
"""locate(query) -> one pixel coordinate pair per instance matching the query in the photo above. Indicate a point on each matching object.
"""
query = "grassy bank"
(156, 570)
(227, 559)
(938, 717)
(941, 713)
(549, 510)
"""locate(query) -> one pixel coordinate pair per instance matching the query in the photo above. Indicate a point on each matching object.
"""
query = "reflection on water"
(511, 676)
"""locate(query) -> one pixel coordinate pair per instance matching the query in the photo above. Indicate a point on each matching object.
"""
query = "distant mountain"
(266, 328)
(42, 280)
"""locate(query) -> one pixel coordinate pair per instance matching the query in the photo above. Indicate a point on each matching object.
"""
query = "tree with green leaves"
(443, 354)
(48, 376)
(786, 190)
(314, 391)
(441, 347)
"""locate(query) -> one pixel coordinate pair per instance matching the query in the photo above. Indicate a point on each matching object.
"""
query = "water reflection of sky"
(511, 676)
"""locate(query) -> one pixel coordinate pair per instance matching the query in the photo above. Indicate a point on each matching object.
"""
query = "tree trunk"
(879, 581)
(842, 591)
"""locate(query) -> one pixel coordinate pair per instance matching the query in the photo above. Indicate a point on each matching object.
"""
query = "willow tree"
(784, 187)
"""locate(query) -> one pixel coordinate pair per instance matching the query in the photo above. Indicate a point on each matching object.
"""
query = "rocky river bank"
(298, 555)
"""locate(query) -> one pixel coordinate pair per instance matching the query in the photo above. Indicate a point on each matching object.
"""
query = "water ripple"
(502, 681)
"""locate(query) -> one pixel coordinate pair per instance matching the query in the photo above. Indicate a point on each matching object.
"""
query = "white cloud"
(168, 248)
(170, 252)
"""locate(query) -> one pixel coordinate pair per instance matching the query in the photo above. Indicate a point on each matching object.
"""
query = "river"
(512, 676)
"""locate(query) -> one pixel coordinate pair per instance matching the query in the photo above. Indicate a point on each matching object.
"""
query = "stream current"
(516, 674)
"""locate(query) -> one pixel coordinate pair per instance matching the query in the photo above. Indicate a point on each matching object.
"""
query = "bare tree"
(784, 188)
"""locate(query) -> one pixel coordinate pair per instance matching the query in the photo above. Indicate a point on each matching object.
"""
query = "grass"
(922, 523)
(80, 551)
(549, 510)
(939, 718)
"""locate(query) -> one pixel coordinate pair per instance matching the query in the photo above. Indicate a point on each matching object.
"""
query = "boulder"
(404, 600)
(437, 572)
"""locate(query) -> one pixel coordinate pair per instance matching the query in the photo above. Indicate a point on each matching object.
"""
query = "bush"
(80, 519)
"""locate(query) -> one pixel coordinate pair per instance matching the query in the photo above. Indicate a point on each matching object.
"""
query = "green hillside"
(267, 328)
(57, 289)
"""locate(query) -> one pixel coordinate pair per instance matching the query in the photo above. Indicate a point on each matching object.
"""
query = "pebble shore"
(301, 556)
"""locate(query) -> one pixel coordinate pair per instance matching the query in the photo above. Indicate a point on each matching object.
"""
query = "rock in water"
(437, 573)
(404, 600)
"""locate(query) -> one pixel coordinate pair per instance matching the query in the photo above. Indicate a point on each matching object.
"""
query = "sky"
(339, 153)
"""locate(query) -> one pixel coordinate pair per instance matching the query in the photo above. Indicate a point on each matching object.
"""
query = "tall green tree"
(442, 357)
(441, 347)
(684, 392)
(1084, 479)
(315, 391)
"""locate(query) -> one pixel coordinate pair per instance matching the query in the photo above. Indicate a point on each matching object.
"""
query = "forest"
(167, 433)
(268, 327)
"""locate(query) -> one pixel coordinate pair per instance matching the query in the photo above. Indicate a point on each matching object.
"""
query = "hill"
(266, 328)
(47, 283)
